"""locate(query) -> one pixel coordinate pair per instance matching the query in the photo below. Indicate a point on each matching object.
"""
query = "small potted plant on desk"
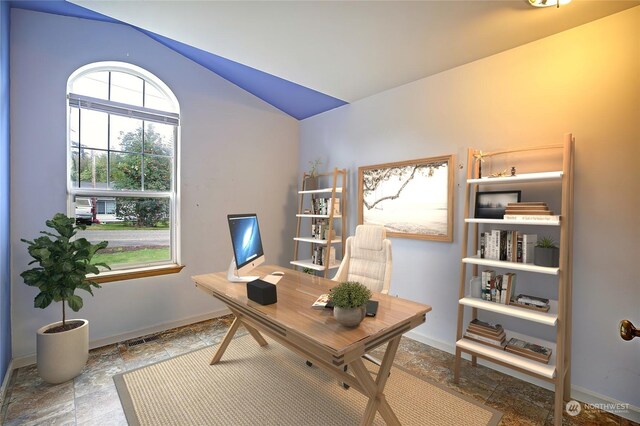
(62, 348)
(546, 253)
(349, 302)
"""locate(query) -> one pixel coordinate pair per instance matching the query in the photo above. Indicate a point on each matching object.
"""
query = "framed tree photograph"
(411, 199)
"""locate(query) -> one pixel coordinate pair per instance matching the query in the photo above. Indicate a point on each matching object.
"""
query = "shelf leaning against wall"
(489, 341)
(319, 208)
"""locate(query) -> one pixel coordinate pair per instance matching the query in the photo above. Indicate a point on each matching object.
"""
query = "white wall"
(585, 81)
(238, 154)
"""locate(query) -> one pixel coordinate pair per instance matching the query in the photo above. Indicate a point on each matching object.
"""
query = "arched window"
(123, 127)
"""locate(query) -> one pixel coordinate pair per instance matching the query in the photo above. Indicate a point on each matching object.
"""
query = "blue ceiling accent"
(61, 7)
(298, 101)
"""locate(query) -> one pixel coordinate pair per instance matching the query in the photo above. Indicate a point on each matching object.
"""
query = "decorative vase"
(311, 183)
(62, 356)
(547, 256)
(476, 287)
(349, 317)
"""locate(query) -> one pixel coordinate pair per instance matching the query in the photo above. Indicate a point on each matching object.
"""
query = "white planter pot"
(62, 356)
(349, 317)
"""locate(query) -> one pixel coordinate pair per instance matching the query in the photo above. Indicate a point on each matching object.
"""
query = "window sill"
(131, 274)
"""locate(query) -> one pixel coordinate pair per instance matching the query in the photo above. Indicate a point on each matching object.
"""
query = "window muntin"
(122, 158)
(94, 84)
(119, 127)
(154, 99)
(93, 129)
(88, 168)
(126, 88)
(121, 153)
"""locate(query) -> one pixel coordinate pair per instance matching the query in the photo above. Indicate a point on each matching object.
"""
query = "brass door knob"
(628, 331)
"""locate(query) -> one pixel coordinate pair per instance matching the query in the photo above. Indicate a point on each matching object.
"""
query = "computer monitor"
(247, 246)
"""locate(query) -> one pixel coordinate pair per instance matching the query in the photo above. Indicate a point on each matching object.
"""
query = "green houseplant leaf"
(546, 242)
(63, 264)
(349, 294)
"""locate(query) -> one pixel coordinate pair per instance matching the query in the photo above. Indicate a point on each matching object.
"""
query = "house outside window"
(106, 207)
(123, 126)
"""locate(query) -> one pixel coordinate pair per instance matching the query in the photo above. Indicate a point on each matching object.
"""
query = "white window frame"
(137, 112)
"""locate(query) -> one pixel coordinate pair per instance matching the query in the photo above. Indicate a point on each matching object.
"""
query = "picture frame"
(411, 199)
(492, 204)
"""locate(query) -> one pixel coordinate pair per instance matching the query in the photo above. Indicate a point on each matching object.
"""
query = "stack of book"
(320, 229)
(511, 246)
(486, 333)
(323, 206)
(535, 210)
(529, 350)
(487, 281)
(321, 302)
(532, 302)
(319, 253)
(498, 288)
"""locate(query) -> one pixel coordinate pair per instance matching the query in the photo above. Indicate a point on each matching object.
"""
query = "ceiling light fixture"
(547, 3)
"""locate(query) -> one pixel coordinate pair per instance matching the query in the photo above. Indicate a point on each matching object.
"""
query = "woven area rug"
(271, 385)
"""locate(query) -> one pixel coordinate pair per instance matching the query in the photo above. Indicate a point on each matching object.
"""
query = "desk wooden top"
(294, 318)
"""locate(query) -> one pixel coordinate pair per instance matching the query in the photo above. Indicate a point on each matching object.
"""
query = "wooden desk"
(314, 334)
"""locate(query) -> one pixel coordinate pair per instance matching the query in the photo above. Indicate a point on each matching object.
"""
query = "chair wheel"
(309, 363)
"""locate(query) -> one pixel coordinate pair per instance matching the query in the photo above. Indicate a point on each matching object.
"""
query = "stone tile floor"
(91, 398)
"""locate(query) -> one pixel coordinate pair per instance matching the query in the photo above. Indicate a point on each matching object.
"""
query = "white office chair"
(367, 259)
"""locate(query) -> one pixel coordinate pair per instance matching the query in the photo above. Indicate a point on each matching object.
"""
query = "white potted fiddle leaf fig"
(63, 262)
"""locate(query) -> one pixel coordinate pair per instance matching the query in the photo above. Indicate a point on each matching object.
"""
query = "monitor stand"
(232, 274)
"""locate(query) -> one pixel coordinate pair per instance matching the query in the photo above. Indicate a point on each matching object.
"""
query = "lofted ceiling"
(317, 55)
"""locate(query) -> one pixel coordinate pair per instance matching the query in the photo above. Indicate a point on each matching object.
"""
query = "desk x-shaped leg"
(365, 383)
(231, 332)
(374, 390)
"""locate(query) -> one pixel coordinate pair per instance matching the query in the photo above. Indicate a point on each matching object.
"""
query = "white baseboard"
(23, 361)
(578, 393)
(5, 382)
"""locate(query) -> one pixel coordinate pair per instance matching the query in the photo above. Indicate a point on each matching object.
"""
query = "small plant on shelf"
(546, 242)
(313, 167)
(546, 253)
(311, 179)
